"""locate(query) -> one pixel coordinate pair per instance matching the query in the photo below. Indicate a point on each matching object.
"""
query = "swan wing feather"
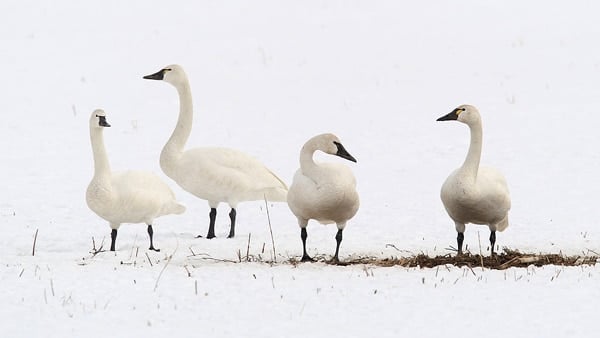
(223, 174)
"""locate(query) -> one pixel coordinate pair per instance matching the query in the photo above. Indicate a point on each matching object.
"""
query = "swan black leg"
(459, 239)
(211, 226)
(113, 239)
(338, 239)
(151, 234)
(493, 241)
(305, 256)
(232, 229)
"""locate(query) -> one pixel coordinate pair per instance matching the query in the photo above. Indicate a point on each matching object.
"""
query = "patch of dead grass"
(507, 259)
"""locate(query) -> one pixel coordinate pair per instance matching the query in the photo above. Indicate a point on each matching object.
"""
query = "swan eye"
(459, 110)
(168, 69)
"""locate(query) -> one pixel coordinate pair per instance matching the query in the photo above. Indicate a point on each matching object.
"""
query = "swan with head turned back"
(127, 196)
(325, 192)
(213, 174)
(474, 194)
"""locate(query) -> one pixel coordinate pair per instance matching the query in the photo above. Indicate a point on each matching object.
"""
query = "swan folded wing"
(248, 166)
(493, 187)
(339, 173)
(143, 196)
(222, 173)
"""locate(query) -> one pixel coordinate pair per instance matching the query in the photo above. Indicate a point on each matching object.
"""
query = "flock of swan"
(325, 192)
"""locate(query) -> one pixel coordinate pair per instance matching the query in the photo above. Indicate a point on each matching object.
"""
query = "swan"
(128, 196)
(325, 192)
(209, 173)
(474, 194)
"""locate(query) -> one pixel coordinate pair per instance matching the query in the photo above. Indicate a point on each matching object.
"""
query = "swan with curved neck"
(325, 192)
(128, 196)
(213, 174)
(473, 193)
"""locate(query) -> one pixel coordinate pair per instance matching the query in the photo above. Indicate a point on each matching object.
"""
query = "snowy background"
(265, 77)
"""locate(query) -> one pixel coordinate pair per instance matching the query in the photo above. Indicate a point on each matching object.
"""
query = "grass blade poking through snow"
(166, 264)
(270, 229)
(34, 241)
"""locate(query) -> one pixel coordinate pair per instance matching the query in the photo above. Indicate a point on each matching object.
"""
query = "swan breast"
(328, 194)
(485, 200)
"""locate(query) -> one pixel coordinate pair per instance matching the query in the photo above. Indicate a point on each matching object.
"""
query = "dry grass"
(507, 259)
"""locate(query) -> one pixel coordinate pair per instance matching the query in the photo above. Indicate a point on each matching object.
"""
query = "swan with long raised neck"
(127, 196)
(325, 192)
(473, 193)
(213, 174)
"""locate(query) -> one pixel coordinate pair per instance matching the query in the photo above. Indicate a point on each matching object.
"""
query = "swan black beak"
(343, 153)
(103, 122)
(156, 76)
(453, 115)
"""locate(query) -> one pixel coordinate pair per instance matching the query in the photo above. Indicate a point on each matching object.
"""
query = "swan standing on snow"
(474, 194)
(125, 197)
(325, 192)
(213, 174)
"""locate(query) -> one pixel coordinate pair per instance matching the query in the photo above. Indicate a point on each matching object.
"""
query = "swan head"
(173, 74)
(331, 144)
(464, 113)
(98, 119)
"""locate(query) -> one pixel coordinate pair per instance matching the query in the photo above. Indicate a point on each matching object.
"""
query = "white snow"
(377, 74)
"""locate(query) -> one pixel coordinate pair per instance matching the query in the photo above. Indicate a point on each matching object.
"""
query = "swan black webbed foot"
(307, 258)
(334, 261)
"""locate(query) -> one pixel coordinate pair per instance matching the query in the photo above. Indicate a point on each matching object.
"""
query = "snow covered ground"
(266, 76)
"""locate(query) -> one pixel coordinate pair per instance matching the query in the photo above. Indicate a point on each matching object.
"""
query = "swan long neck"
(174, 146)
(101, 163)
(307, 163)
(471, 164)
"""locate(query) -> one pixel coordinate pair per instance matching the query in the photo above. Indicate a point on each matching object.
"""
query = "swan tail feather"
(276, 195)
(284, 186)
(503, 224)
(177, 208)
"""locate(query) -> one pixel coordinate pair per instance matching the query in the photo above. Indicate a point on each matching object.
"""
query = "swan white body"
(325, 192)
(213, 174)
(474, 194)
(128, 196)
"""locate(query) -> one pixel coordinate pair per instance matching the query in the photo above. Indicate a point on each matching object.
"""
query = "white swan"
(213, 174)
(325, 192)
(128, 196)
(474, 194)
